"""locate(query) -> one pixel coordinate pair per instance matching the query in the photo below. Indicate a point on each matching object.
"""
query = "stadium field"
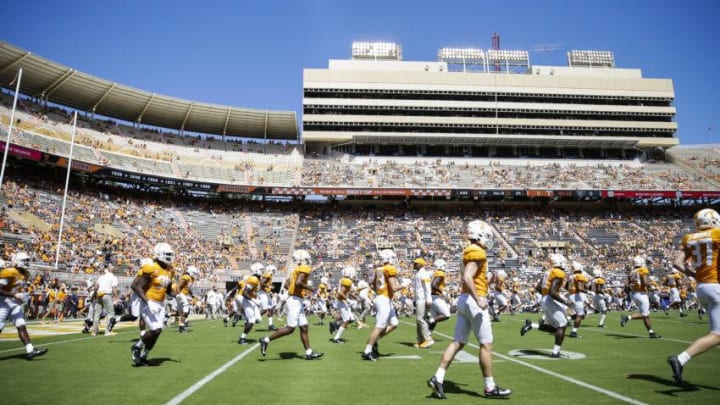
(206, 366)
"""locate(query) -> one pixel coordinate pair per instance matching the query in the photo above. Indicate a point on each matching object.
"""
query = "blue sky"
(252, 53)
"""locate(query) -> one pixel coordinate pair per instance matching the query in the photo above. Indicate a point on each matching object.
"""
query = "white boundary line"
(604, 391)
(183, 395)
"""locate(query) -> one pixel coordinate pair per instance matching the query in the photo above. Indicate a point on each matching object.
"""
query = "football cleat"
(498, 392)
(242, 341)
(574, 335)
(624, 320)
(36, 353)
(677, 369)
(337, 340)
(601, 326)
(111, 323)
(557, 355)
(225, 322)
(263, 347)
(437, 388)
(314, 356)
(369, 356)
(137, 360)
(526, 328)
(272, 328)
(375, 350)
(654, 336)
(426, 344)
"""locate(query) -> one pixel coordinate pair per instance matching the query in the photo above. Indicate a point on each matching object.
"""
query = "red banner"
(22, 151)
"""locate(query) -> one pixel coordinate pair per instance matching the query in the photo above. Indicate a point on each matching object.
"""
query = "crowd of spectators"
(201, 157)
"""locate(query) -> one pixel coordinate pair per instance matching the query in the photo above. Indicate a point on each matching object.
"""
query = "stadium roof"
(59, 84)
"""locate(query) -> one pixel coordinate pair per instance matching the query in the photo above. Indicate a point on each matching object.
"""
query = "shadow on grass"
(453, 388)
(282, 356)
(672, 392)
(20, 356)
(408, 344)
(621, 336)
(160, 360)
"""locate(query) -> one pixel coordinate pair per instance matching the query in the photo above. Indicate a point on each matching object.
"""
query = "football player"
(638, 283)
(440, 309)
(698, 255)
(248, 295)
(344, 292)
(674, 282)
(298, 282)
(423, 303)
(322, 295)
(267, 303)
(151, 286)
(472, 312)
(12, 281)
(498, 295)
(577, 285)
(553, 303)
(365, 304)
(599, 300)
(385, 284)
(184, 288)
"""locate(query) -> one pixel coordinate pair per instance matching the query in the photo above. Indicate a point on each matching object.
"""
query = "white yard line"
(183, 395)
(571, 380)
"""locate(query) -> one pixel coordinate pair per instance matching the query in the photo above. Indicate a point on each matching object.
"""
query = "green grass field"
(207, 366)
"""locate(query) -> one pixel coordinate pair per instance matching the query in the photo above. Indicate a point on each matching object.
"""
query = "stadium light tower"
(376, 50)
(511, 60)
(467, 58)
(591, 58)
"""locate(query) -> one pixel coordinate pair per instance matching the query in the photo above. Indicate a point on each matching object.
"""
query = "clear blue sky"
(252, 53)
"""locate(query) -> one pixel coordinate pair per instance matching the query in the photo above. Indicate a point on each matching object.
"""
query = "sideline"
(571, 380)
(183, 395)
(39, 339)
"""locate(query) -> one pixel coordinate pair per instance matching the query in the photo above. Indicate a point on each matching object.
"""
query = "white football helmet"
(164, 253)
(387, 256)
(638, 261)
(577, 267)
(270, 268)
(349, 272)
(193, 271)
(707, 218)
(20, 260)
(256, 269)
(301, 256)
(558, 260)
(440, 264)
(480, 231)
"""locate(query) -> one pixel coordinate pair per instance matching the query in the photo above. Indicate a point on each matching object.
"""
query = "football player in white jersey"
(423, 303)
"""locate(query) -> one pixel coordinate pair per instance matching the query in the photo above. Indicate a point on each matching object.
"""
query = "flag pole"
(10, 127)
(67, 182)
